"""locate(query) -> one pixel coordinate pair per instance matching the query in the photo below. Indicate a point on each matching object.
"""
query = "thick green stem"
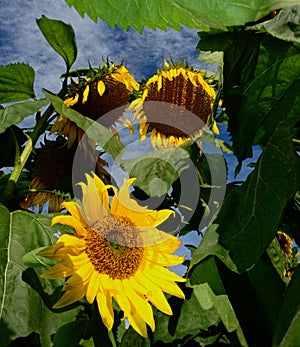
(41, 126)
(112, 338)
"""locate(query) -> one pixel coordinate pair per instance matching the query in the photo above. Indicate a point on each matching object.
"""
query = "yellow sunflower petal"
(215, 128)
(93, 287)
(58, 271)
(155, 295)
(72, 101)
(139, 303)
(101, 87)
(85, 94)
(75, 210)
(167, 286)
(123, 206)
(70, 297)
(93, 207)
(106, 282)
(105, 308)
(168, 245)
(72, 222)
(163, 259)
(101, 189)
(138, 324)
(65, 245)
(163, 273)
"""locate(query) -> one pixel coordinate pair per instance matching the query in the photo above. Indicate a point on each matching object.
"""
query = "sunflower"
(116, 252)
(105, 90)
(286, 243)
(53, 173)
(177, 85)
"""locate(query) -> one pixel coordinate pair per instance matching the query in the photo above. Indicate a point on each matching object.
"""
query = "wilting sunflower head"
(105, 90)
(53, 171)
(116, 252)
(178, 85)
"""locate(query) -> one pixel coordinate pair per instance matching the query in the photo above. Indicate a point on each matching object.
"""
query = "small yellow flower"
(116, 252)
(108, 90)
(178, 85)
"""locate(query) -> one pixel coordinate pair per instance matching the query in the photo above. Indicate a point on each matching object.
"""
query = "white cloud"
(21, 40)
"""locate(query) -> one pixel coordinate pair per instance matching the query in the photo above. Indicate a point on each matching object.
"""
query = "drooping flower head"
(104, 90)
(179, 85)
(117, 252)
(53, 175)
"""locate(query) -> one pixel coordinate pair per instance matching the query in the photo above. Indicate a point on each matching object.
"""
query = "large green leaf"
(95, 130)
(285, 25)
(251, 213)
(61, 38)
(204, 310)
(21, 310)
(287, 332)
(270, 97)
(210, 246)
(256, 297)
(16, 82)
(157, 171)
(203, 14)
(15, 113)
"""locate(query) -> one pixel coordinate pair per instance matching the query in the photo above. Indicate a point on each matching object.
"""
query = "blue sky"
(21, 41)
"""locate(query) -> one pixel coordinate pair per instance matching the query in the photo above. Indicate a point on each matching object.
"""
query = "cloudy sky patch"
(22, 41)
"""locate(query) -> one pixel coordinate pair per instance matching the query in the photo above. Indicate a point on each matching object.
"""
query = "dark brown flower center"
(182, 92)
(113, 247)
(115, 96)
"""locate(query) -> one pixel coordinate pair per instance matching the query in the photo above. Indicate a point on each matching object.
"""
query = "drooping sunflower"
(117, 252)
(102, 91)
(178, 85)
(53, 174)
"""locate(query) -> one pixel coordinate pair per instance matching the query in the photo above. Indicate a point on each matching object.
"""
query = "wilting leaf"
(95, 130)
(16, 82)
(21, 310)
(61, 38)
(13, 114)
(168, 13)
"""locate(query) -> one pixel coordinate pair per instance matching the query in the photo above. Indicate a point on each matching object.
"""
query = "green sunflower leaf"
(203, 310)
(93, 129)
(257, 297)
(269, 98)
(158, 170)
(169, 13)
(285, 25)
(70, 334)
(22, 311)
(250, 214)
(61, 38)
(11, 137)
(16, 82)
(15, 113)
(287, 333)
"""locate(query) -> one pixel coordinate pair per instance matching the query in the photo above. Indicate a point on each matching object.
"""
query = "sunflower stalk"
(20, 160)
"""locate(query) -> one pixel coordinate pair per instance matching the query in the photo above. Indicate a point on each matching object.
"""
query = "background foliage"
(241, 290)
